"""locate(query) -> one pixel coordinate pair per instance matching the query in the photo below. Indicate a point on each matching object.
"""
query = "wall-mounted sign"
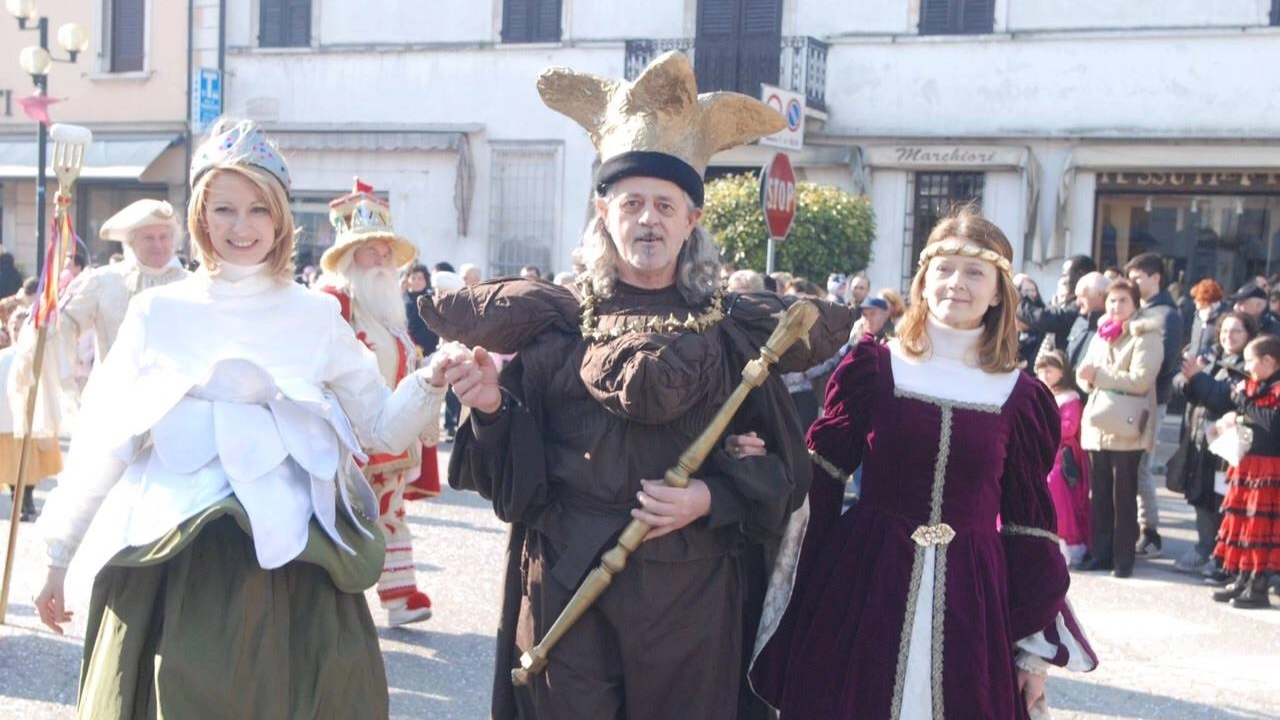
(791, 106)
(1197, 181)
(206, 98)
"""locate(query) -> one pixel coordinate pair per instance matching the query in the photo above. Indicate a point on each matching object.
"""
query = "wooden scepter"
(793, 324)
(69, 143)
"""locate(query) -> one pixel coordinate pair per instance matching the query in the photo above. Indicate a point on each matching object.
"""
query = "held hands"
(740, 446)
(667, 509)
(472, 373)
(51, 602)
(1031, 685)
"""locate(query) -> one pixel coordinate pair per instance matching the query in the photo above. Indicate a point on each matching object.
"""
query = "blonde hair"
(998, 346)
(280, 259)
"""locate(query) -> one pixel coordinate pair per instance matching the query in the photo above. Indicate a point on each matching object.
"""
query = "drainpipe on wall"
(191, 52)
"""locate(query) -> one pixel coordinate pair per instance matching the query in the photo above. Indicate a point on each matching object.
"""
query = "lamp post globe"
(73, 39)
(35, 61)
(21, 9)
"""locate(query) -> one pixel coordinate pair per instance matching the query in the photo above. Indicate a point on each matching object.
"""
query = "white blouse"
(227, 385)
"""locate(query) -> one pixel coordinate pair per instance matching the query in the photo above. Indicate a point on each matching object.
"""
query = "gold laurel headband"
(965, 249)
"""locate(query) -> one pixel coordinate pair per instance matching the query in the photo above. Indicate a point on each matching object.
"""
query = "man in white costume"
(360, 271)
(96, 299)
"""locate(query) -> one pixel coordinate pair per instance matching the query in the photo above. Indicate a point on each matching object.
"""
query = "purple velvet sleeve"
(1038, 579)
(838, 438)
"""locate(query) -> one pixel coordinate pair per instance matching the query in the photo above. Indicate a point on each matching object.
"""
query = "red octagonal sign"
(778, 196)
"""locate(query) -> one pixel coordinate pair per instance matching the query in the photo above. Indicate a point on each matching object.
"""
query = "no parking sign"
(791, 106)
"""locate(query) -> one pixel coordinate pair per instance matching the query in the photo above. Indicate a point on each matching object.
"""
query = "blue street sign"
(206, 98)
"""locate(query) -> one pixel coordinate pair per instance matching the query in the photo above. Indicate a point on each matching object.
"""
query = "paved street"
(1168, 652)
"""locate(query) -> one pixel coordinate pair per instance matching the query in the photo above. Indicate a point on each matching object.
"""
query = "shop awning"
(107, 158)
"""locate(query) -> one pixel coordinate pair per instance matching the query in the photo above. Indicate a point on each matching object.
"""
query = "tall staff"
(69, 144)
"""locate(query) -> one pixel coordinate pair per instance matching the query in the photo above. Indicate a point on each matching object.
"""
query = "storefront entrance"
(1224, 226)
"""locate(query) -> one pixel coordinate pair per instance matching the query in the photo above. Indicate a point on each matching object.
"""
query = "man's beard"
(376, 292)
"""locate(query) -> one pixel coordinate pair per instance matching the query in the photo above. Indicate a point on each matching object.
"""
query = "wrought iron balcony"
(802, 67)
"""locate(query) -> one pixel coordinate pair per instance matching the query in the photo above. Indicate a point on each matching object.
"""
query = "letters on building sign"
(933, 155)
(1194, 180)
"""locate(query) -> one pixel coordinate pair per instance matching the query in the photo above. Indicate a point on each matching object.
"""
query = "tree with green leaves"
(832, 232)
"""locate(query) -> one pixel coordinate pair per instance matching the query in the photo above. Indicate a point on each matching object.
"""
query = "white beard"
(375, 292)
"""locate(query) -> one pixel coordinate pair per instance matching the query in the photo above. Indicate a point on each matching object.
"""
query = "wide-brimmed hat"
(137, 214)
(361, 217)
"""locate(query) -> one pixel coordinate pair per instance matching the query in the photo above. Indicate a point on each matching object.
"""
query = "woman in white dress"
(212, 494)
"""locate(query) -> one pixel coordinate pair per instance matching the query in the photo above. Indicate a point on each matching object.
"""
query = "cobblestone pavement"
(1167, 651)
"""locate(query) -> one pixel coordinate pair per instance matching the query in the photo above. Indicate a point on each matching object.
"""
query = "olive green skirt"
(191, 628)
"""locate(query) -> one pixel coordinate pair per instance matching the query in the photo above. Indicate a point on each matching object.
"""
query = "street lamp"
(36, 61)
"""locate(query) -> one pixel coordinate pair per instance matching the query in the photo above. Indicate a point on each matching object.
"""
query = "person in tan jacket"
(1119, 375)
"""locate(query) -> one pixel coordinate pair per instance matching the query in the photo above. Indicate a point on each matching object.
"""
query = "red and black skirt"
(1249, 537)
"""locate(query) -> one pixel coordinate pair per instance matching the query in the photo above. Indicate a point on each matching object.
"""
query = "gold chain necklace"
(655, 324)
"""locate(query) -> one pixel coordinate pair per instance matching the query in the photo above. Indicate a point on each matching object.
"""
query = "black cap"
(1249, 290)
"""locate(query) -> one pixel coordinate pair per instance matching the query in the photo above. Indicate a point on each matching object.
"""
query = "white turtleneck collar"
(950, 370)
(237, 280)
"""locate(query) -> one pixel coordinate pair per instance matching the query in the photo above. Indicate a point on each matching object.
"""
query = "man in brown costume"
(613, 379)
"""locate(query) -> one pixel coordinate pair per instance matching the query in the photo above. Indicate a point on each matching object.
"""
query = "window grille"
(934, 194)
(524, 202)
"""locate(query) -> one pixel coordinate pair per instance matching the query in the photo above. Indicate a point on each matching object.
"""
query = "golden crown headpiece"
(360, 217)
(658, 126)
(967, 249)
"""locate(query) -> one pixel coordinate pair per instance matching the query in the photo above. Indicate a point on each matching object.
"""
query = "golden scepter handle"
(69, 144)
(793, 324)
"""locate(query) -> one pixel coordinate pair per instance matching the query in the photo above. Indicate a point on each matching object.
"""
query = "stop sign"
(778, 196)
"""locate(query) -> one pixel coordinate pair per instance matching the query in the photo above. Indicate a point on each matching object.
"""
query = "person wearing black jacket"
(1091, 301)
(1056, 320)
(1235, 330)
(418, 284)
(1251, 300)
(1147, 271)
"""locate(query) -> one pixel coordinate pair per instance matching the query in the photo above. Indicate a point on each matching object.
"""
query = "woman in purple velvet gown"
(942, 592)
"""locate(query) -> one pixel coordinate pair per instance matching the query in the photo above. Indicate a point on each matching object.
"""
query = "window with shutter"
(934, 195)
(957, 17)
(1275, 12)
(284, 23)
(738, 45)
(126, 51)
(530, 21)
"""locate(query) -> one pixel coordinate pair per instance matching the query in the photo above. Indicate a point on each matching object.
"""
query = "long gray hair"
(697, 265)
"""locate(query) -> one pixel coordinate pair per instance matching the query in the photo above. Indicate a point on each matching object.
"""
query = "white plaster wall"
(889, 201)
(1092, 86)
(1057, 15)
(821, 19)
(405, 21)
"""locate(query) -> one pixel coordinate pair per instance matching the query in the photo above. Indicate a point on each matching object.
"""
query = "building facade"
(1092, 127)
(130, 88)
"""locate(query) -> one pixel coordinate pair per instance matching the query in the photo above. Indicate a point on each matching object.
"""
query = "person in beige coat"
(1119, 374)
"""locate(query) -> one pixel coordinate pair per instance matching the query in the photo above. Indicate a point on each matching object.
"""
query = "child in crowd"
(1249, 538)
(1069, 478)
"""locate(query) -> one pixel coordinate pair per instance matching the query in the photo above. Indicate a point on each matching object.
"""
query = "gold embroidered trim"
(654, 324)
(1028, 531)
(904, 646)
(939, 612)
(829, 467)
(944, 403)
(965, 249)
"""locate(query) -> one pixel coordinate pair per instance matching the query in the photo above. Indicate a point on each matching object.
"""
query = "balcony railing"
(802, 65)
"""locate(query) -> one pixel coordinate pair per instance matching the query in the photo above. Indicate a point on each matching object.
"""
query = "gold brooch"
(939, 534)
